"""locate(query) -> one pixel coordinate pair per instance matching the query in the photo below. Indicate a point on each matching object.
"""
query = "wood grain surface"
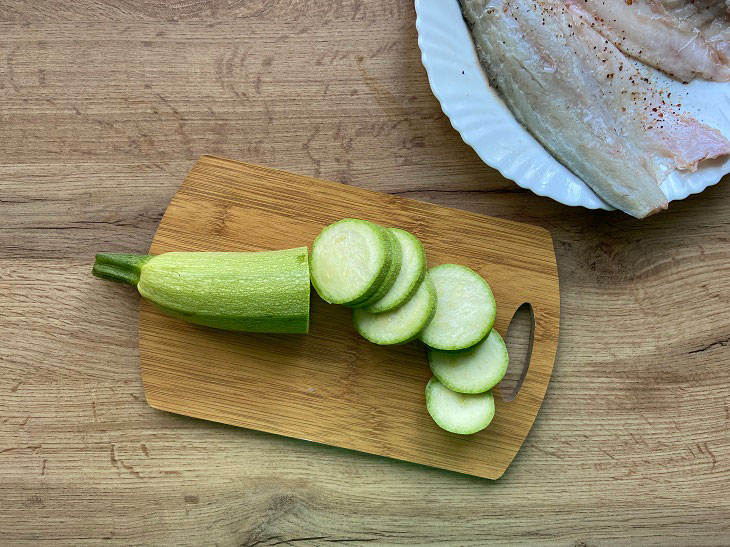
(104, 108)
(333, 386)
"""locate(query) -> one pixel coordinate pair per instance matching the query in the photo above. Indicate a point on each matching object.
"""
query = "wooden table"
(104, 108)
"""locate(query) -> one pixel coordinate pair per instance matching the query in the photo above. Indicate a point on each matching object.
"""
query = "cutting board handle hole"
(519, 337)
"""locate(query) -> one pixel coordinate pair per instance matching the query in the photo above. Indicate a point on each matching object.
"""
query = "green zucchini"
(402, 324)
(465, 312)
(460, 413)
(392, 275)
(475, 370)
(264, 291)
(350, 261)
(412, 271)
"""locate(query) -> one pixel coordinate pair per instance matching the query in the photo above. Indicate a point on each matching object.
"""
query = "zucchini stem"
(122, 268)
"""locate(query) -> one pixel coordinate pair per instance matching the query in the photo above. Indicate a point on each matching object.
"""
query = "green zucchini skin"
(401, 325)
(264, 291)
(406, 283)
(392, 275)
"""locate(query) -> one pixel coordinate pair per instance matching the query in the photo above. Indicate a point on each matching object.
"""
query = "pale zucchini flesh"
(412, 271)
(402, 324)
(460, 413)
(350, 260)
(475, 370)
(465, 312)
(392, 275)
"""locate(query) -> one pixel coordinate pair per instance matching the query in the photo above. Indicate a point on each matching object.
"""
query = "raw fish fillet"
(710, 17)
(668, 39)
(585, 102)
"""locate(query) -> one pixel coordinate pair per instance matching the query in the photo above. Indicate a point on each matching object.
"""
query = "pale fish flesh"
(665, 34)
(710, 17)
(585, 102)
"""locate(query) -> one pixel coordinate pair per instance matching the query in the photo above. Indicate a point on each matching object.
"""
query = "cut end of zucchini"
(412, 271)
(465, 312)
(350, 260)
(475, 370)
(463, 414)
(402, 324)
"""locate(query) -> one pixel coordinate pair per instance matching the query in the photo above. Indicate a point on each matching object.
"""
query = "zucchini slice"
(476, 370)
(350, 261)
(412, 271)
(459, 413)
(402, 324)
(465, 312)
(391, 277)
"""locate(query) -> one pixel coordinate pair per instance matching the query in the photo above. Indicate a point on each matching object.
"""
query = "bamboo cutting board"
(332, 386)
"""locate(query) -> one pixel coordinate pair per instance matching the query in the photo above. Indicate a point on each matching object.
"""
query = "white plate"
(486, 124)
